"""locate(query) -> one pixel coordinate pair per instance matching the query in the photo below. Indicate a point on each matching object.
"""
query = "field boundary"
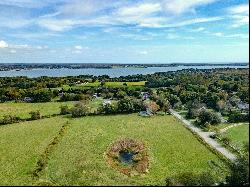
(44, 157)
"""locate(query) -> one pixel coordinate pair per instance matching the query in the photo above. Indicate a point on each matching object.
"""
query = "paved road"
(205, 136)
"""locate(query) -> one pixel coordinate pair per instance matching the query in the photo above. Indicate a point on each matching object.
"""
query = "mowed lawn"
(21, 146)
(239, 134)
(23, 109)
(79, 159)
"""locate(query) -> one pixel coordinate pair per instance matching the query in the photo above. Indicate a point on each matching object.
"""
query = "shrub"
(79, 110)
(239, 171)
(191, 179)
(128, 105)
(108, 108)
(35, 115)
(152, 106)
(64, 110)
(9, 119)
(236, 117)
(226, 140)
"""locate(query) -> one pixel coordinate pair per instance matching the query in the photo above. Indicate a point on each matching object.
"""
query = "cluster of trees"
(236, 117)
(126, 105)
(206, 117)
(217, 89)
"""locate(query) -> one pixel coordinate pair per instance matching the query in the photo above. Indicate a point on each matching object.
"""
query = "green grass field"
(88, 138)
(239, 134)
(20, 147)
(22, 109)
(78, 158)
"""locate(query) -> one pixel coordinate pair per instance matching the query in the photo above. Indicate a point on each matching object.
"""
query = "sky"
(124, 31)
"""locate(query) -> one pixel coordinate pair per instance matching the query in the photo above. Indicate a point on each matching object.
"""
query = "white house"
(106, 102)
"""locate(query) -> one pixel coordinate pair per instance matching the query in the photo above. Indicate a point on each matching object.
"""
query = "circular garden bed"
(128, 156)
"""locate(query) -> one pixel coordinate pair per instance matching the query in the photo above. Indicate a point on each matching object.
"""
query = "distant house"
(202, 108)
(223, 120)
(146, 113)
(95, 95)
(28, 99)
(242, 106)
(106, 102)
(145, 95)
(61, 94)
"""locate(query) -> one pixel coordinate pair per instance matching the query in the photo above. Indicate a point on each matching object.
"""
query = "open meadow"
(22, 110)
(74, 154)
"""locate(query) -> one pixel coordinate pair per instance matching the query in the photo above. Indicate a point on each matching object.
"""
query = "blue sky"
(124, 31)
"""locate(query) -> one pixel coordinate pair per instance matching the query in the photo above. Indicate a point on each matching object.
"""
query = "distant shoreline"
(26, 66)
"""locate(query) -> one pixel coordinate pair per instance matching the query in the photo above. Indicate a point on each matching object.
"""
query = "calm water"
(116, 72)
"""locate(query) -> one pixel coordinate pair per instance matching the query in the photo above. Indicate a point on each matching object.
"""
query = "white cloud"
(194, 21)
(24, 3)
(21, 46)
(242, 36)
(143, 52)
(3, 44)
(240, 14)
(77, 52)
(148, 14)
(140, 10)
(239, 9)
(52, 51)
(83, 8)
(200, 29)
(182, 6)
(56, 25)
(172, 36)
(39, 47)
(78, 47)
(219, 34)
(12, 51)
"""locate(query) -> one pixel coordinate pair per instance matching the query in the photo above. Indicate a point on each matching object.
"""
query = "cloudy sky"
(124, 31)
